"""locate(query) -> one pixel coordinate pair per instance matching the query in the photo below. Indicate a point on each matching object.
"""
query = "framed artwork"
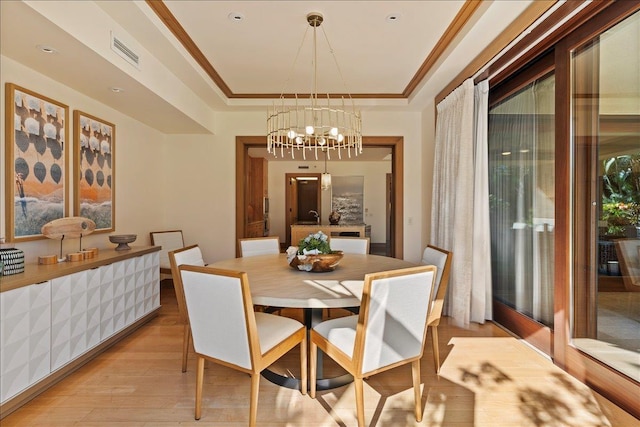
(94, 163)
(36, 159)
(347, 198)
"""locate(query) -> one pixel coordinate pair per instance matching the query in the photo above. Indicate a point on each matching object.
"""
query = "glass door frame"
(604, 379)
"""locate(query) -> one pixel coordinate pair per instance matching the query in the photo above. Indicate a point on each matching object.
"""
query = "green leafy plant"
(621, 193)
(315, 241)
(621, 179)
(620, 215)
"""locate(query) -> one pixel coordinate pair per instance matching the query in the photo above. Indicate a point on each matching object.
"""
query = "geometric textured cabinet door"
(25, 319)
(68, 318)
(106, 301)
(93, 308)
(119, 321)
(141, 294)
(129, 271)
(147, 284)
(154, 260)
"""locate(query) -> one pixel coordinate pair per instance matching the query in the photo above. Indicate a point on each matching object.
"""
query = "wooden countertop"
(36, 273)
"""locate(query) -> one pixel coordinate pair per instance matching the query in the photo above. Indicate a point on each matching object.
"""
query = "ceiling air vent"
(119, 47)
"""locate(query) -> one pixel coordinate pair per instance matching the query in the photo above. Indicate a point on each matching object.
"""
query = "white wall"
(200, 193)
(138, 165)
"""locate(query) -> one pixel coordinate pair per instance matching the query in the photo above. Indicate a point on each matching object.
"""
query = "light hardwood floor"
(488, 378)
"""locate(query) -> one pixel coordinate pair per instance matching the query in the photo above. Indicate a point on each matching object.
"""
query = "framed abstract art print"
(36, 159)
(94, 170)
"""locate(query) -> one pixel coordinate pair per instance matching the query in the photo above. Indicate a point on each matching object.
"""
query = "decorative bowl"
(317, 263)
(122, 240)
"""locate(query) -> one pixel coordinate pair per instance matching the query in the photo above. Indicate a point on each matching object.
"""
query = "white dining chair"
(389, 331)
(259, 246)
(350, 245)
(190, 255)
(441, 258)
(169, 240)
(227, 331)
(254, 246)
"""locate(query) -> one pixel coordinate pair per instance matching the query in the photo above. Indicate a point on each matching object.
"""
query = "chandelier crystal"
(315, 124)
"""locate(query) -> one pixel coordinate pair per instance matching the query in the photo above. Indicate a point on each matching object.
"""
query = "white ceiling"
(253, 57)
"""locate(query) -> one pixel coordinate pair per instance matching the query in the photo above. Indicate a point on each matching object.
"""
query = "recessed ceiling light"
(506, 153)
(235, 16)
(115, 89)
(46, 49)
(393, 17)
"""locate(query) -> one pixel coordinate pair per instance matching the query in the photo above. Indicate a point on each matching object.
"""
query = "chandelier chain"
(293, 66)
(335, 60)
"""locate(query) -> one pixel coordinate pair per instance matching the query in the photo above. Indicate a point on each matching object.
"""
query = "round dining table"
(274, 283)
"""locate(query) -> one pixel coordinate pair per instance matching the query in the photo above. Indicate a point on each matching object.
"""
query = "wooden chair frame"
(259, 361)
(354, 365)
(438, 304)
(182, 304)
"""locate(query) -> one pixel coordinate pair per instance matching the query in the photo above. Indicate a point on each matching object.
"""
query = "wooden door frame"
(388, 210)
(395, 143)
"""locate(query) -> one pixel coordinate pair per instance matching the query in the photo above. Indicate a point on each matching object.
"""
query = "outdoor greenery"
(621, 193)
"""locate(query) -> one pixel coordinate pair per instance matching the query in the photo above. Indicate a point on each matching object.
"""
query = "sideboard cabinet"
(48, 325)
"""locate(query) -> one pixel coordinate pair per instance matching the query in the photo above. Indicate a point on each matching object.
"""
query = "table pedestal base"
(312, 316)
(294, 383)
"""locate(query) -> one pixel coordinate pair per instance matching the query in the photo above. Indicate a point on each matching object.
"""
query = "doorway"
(395, 143)
(303, 198)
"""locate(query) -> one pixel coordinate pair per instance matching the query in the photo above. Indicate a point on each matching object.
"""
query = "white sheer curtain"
(481, 288)
(460, 207)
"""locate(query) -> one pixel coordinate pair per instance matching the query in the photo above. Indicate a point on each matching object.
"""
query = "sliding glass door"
(564, 158)
(522, 203)
(605, 99)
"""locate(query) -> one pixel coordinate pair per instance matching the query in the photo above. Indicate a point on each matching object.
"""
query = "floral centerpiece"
(313, 254)
(314, 244)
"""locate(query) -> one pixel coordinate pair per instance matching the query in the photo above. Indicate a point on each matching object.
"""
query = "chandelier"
(314, 124)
